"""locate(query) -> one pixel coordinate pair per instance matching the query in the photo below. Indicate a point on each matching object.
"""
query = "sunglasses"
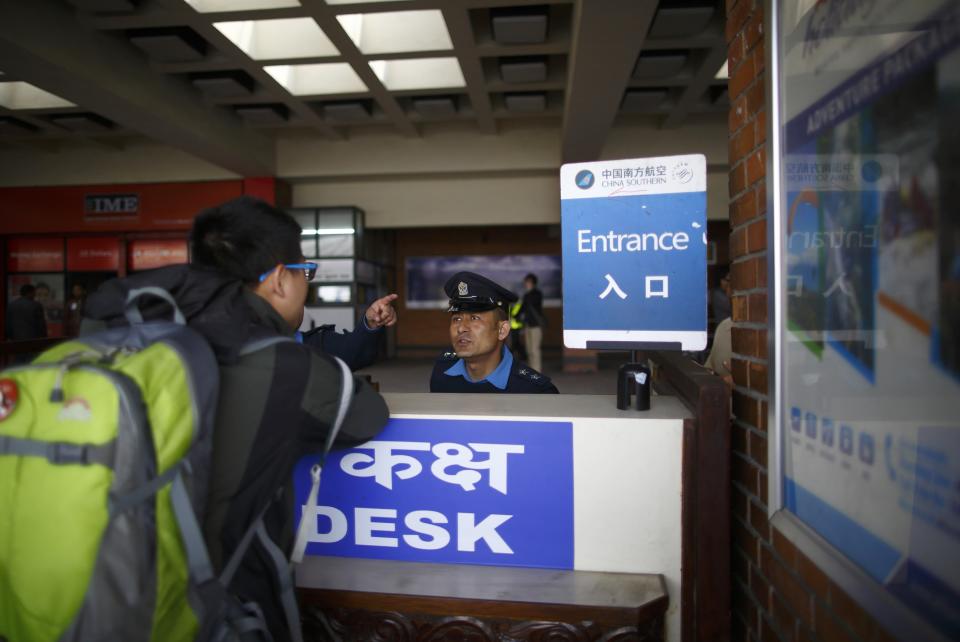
(309, 270)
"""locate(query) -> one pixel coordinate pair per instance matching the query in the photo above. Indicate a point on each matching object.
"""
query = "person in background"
(720, 299)
(25, 316)
(531, 313)
(516, 334)
(479, 327)
(75, 306)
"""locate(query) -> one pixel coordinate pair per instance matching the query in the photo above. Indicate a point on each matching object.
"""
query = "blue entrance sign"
(635, 252)
(448, 491)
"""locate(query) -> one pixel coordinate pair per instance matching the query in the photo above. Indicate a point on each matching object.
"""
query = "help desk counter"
(508, 517)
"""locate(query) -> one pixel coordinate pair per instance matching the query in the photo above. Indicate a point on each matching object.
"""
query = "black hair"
(531, 277)
(244, 238)
(27, 290)
(501, 314)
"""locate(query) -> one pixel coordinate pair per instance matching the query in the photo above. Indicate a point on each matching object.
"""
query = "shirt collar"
(498, 378)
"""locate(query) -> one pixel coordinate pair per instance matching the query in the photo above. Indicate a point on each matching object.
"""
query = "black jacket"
(276, 405)
(25, 319)
(531, 309)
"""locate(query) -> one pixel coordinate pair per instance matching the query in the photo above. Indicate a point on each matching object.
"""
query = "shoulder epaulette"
(530, 374)
(327, 327)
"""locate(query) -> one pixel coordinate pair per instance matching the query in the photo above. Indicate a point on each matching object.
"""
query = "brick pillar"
(777, 592)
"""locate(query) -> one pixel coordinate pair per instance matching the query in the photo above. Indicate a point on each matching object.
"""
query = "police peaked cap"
(470, 292)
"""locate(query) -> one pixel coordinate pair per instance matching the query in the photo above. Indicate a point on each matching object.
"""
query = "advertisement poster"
(148, 254)
(42, 254)
(870, 173)
(93, 254)
(427, 274)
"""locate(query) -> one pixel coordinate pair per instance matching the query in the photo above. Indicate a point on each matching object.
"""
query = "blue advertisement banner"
(448, 491)
(868, 356)
(426, 276)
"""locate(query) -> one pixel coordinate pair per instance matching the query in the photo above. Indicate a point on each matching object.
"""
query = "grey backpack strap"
(264, 342)
(198, 561)
(288, 595)
(309, 509)
(226, 576)
(132, 311)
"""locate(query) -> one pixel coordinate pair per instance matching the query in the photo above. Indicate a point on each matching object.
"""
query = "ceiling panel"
(330, 65)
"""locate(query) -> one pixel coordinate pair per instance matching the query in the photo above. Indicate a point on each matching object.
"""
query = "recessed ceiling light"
(319, 79)
(397, 31)
(21, 95)
(724, 73)
(213, 6)
(279, 38)
(418, 73)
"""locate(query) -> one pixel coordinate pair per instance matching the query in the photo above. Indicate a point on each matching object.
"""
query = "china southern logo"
(584, 179)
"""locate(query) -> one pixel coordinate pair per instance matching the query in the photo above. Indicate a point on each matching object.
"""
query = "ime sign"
(635, 253)
(111, 205)
(449, 491)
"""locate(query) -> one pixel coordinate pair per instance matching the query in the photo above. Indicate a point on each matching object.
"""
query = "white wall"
(450, 175)
(91, 164)
(454, 176)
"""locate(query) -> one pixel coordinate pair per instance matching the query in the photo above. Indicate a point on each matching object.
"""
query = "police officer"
(479, 326)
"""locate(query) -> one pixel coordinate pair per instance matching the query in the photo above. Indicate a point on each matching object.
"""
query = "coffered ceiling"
(221, 79)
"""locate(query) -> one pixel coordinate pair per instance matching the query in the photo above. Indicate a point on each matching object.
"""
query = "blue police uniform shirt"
(510, 376)
(498, 377)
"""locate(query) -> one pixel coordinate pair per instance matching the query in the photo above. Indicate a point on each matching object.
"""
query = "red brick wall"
(778, 593)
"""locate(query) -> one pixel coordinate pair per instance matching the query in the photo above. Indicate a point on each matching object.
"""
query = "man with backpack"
(247, 282)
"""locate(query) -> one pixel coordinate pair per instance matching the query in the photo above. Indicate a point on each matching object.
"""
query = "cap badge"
(462, 288)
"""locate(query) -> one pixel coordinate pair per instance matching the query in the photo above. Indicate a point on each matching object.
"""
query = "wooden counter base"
(365, 600)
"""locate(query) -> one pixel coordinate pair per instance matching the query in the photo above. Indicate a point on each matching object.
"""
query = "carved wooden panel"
(356, 625)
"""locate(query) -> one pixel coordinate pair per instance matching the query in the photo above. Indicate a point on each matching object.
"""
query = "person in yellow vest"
(516, 325)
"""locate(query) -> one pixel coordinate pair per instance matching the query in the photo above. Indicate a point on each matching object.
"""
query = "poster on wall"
(147, 254)
(93, 254)
(42, 254)
(869, 303)
(427, 274)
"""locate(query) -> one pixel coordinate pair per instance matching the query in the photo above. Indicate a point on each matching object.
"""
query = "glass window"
(335, 245)
(334, 271)
(333, 294)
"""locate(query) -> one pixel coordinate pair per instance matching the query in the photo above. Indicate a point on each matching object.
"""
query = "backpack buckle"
(64, 453)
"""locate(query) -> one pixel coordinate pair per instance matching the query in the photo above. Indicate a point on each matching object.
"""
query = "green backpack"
(104, 455)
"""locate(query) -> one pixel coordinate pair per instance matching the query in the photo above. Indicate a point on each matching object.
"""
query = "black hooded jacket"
(276, 405)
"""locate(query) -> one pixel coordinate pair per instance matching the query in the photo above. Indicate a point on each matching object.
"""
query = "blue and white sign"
(635, 251)
(449, 491)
